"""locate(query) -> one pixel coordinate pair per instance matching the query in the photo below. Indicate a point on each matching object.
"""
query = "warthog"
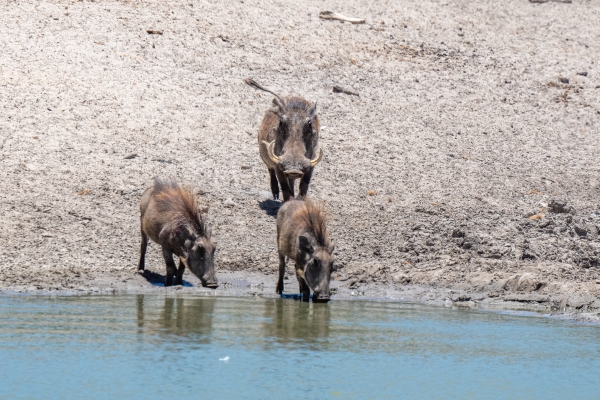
(302, 236)
(288, 141)
(171, 218)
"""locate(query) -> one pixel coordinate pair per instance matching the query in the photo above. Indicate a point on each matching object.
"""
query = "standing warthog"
(302, 236)
(171, 218)
(288, 141)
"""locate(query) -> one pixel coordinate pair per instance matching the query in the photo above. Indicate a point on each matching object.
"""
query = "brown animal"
(302, 236)
(288, 141)
(171, 218)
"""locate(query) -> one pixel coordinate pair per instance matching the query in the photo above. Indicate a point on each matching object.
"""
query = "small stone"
(582, 73)
(401, 278)
(229, 203)
(563, 80)
(580, 231)
(557, 206)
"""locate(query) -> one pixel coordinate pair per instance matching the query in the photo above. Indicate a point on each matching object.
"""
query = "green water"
(149, 346)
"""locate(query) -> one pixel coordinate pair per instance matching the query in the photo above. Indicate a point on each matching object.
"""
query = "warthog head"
(318, 269)
(298, 135)
(199, 254)
(288, 141)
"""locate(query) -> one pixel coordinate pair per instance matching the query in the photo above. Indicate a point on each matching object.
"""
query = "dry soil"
(465, 173)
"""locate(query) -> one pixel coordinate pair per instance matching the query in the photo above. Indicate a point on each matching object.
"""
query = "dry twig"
(340, 17)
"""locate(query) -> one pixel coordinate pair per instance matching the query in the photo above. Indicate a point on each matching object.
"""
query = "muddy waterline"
(149, 346)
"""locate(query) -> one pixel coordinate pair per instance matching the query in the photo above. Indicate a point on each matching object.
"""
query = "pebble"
(229, 203)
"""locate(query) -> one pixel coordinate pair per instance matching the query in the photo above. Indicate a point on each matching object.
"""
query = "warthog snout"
(321, 298)
(209, 282)
(294, 174)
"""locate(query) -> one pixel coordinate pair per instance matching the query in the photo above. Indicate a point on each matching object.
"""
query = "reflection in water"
(177, 316)
(296, 320)
(90, 347)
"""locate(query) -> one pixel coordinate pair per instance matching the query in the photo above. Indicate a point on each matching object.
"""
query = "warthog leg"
(179, 277)
(285, 186)
(143, 248)
(304, 289)
(274, 184)
(304, 182)
(171, 269)
(281, 274)
(291, 185)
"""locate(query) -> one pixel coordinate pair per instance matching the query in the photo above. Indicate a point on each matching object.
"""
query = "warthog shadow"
(270, 207)
(159, 280)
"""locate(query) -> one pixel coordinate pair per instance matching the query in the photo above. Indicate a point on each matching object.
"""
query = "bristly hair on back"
(314, 217)
(171, 197)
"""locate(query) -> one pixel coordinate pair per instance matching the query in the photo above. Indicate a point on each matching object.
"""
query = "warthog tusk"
(271, 151)
(184, 261)
(318, 159)
(300, 273)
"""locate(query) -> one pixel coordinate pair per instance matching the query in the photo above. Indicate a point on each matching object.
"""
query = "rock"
(470, 242)
(469, 304)
(480, 279)
(462, 298)
(580, 230)
(511, 283)
(229, 203)
(528, 254)
(564, 80)
(457, 233)
(529, 283)
(401, 278)
(582, 73)
(578, 301)
(557, 206)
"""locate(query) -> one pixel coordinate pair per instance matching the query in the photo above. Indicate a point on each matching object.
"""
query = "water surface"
(148, 346)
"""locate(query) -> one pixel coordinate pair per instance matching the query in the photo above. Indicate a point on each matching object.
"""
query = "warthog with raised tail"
(170, 217)
(302, 237)
(288, 141)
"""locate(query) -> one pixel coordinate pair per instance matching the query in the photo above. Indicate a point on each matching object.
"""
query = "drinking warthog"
(288, 141)
(302, 236)
(171, 218)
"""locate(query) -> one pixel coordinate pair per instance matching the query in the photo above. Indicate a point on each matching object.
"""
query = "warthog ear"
(278, 107)
(305, 245)
(312, 112)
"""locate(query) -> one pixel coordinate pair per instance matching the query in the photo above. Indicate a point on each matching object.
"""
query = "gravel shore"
(465, 171)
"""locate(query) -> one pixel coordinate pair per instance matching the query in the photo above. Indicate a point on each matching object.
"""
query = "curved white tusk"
(271, 151)
(318, 159)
